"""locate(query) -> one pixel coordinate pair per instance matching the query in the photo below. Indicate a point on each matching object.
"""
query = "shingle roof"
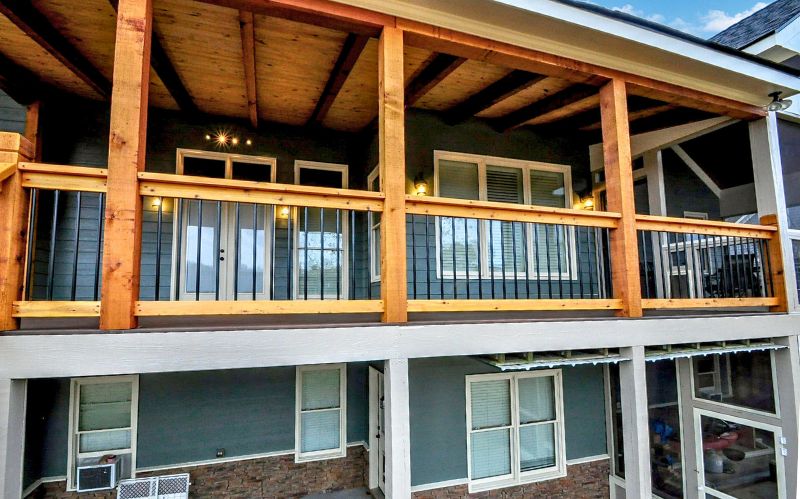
(764, 22)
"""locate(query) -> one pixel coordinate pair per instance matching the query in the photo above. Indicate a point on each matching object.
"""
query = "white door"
(223, 249)
(377, 439)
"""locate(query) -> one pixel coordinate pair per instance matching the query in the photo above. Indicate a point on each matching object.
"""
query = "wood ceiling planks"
(470, 78)
(357, 103)
(539, 91)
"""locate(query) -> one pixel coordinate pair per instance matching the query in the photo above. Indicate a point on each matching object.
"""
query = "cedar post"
(619, 190)
(33, 129)
(126, 156)
(776, 262)
(391, 133)
(13, 227)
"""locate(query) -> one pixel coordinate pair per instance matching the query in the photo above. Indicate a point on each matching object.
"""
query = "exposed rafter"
(438, 67)
(667, 119)
(512, 83)
(247, 28)
(161, 64)
(545, 106)
(19, 83)
(351, 51)
(588, 121)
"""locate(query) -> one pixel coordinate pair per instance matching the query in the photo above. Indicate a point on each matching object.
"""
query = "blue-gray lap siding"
(438, 415)
(186, 417)
(12, 114)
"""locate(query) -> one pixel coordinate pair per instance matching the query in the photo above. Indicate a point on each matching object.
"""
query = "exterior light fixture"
(248, 142)
(587, 203)
(156, 202)
(420, 185)
(235, 141)
(222, 139)
(208, 137)
(283, 212)
(777, 103)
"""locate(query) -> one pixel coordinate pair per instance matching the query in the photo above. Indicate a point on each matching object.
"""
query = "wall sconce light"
(248, 142)
(156, 202)
(283, 212)
(420, 185)
(587, 203)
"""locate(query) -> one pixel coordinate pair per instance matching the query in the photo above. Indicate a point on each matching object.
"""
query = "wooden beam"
(66, 178)
(258, 307)
(351, 50)
(624, 250)
(688, 303)
(512, 305)
(56, 309)
(7, 170)
(551, 104)
(162, 65)
(392, 153)
(14, 201)
(707, 227)
(25, 16)
(322, 13)
(668, 119)
(126, 158)
(248, 34)
(33, 128)
(436, 69)
(511, 84)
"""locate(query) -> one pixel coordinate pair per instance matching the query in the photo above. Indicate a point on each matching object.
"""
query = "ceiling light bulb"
(208, 137)
(249, 142)
(222, 139)
(234, 141)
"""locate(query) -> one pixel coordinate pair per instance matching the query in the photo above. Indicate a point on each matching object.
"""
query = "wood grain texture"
(624, 251)
(777, 264)
(258, 307)
(710, 227)
(511, 305)
(126, 157)
(431, 74)
(352, 48)
(56, 309)
(391, 136)
(248, 34)
(689, 303)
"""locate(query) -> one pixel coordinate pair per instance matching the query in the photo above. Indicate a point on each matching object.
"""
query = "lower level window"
(516, 430)
(321, 413)
(102, 430)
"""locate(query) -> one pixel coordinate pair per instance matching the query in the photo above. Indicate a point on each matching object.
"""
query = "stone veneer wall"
(270, 477)
(583, 481)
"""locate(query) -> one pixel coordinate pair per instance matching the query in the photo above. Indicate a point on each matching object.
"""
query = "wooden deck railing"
(456, 259)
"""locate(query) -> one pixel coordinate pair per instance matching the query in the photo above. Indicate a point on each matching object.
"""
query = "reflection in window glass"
(665, 429)
(742, 379)
(738, 460)
(796, 252)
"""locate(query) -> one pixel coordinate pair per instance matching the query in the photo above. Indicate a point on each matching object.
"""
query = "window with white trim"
(515, 427)
(102, 421)
(374, 185)
(321, 417)
(539, 251)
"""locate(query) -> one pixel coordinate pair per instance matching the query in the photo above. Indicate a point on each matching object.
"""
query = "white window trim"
(775, 430)
(374, 263)
(728, 410)
(345, 229)
(526, 167)
(516, 477)
(341, 451)
(695, 215)
(72, 444)
(177, 267)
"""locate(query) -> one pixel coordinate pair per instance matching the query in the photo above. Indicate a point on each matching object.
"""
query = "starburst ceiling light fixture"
(224, 139)
(777, 103)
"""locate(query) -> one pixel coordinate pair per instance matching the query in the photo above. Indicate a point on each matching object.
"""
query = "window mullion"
(515, 447)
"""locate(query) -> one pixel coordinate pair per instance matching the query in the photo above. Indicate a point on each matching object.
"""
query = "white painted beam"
(635, 425)
(770, 197)
(65, 355)
(787, 374)
(657, 202)
(13, 394)
(398, 429)
(697, 170)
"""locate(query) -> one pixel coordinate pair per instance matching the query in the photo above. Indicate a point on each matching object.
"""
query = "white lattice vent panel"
(159, 487)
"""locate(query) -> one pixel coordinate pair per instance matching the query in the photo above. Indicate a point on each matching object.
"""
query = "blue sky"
(703, 18)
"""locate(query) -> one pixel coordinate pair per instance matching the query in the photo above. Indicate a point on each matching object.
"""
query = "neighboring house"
(420, 247)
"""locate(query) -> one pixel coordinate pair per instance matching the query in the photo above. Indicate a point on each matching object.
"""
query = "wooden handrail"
(489, 210)
(188, 187)
(704, 227)
(63, 177)
(6, 170)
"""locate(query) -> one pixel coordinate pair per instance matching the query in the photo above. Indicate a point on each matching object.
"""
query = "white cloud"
(710, 23)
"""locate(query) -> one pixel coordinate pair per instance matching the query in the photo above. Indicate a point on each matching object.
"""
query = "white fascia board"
(66, 355)
(520, 23)
(786, 41)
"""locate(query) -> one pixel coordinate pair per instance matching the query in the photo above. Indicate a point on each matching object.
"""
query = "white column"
(635, 431)
(768, 174)
(12, 436)
(657, 201)
(688, 436)
(787, 374)
(398, 429)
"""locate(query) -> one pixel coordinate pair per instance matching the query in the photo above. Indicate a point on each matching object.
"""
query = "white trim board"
(41, 481)
(42, 356)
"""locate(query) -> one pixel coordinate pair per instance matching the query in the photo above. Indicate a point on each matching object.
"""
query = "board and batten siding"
(186, 417)
(438, 415)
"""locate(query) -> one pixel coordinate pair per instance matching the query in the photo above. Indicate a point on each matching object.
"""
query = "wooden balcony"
(461, 256)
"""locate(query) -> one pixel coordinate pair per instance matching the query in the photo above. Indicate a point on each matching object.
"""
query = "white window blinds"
(104, 417)
(459, 179)
(320, 409)
(548, 189)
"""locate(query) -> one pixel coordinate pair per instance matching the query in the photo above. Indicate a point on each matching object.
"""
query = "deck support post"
(398, 429)
(657, 202)
(391, 137)
(13, 395)
(619, 191)
(635, 425)
(771, 201)
(14, 201)
(126, 158)
(787, 375)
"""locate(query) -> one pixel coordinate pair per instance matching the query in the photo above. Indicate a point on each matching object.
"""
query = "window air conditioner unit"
(157, 487)
(97, 477)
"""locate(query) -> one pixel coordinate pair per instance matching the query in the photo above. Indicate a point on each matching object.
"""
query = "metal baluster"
(525, 228)
(427, 258)
(536, 257)
(34, 208)
(255, 253)
(75, 248)
(199, 244)
(338, 254)
(353, 256)
(236, 250)
(480, 259)
(220, 258)
(413, 256)
(305, 253)
(289, 253)
(179, 221)
(441, 257)
(589, 244)
(747, 266)
(466, 255)
(514, 256)
(503, 258)
(491, 255)
(578, 260)
(51, 261)
(322, 253)
(272, 249)
(678, 238)
(547, 261)
(768, 273)
(455, 268)
(159, 220)
(608, 263)
(568, 232)
(666, 282)
(644, 264)
(701, 293)
(688, 250)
